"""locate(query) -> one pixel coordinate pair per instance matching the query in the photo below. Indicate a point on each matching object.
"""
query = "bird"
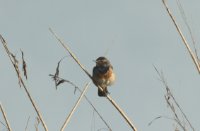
(103, 75)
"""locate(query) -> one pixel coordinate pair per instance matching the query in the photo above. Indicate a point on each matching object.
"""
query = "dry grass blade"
(37, 122)
(21, 82)
(26, 128)
(187, 25)
(5, 118)
(195, 60)
(16, 66)
(71, 53)
(3, 124)
(74, 108)
(173, 104)
(159, 117)
(58, 80)
(181, 110)
(24, 65)
(12, 58)
(107, 96)
(55, 77)
(177, 119)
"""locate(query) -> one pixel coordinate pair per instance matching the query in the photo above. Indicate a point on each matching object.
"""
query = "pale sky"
(133, 34)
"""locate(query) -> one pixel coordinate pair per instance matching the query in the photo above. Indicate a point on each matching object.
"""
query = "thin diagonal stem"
(6, 120)
(23, 84)
(189, 50)
(107, 96)
(167, 98)
(182, 37)
(74, 108)
(88, 100)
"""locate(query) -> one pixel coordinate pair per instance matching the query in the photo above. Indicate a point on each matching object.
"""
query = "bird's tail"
(102, 93)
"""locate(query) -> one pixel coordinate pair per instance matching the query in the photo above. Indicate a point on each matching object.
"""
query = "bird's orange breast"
(106, 78)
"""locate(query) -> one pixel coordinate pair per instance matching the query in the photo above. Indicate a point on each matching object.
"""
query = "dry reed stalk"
(195, 60)
(183, 15)
(95, 110)
(177, 119)
(83, 68)
(58, 80)
(2, 123)
(37, 122)
(170, 99)
(6, 120)
(26, 128)
(21, 82)
(75, 106)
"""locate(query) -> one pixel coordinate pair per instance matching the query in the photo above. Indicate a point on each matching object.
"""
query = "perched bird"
(103, 75)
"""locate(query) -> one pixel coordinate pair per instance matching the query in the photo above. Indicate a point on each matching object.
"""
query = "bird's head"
(102, 61)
